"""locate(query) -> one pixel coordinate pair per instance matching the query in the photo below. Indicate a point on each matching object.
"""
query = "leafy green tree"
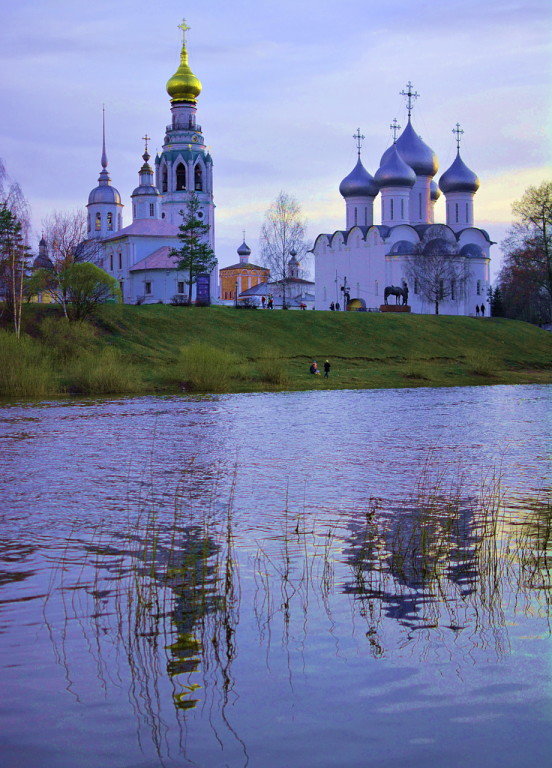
(13, 263)
(195, 256)
(526, 277)
(86, 286)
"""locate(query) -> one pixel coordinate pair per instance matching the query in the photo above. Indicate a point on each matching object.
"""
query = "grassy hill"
(163, 348)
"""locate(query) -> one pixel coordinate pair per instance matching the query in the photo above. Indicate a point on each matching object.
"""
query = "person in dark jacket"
(327, 367)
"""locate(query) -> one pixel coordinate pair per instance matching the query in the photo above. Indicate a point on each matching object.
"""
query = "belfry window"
(180, 177)
(164, 179)
(110, 221)
(456, 215)
(152, 209)
(198, 178)
(98, 221)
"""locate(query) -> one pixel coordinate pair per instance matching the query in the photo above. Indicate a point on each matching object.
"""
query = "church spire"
(103, 178)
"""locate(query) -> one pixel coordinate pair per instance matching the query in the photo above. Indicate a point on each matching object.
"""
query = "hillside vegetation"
(130, 349)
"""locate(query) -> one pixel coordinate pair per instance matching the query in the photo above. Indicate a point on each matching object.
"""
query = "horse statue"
(398, 292)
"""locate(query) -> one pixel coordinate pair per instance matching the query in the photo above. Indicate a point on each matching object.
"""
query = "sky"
(285, 86)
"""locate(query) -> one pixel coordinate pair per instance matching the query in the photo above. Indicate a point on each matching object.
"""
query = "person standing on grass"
(477, 310)
(327, 367)
(482, 310)
(263, 300)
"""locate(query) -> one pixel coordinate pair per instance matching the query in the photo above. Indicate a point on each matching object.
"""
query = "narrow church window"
(164, 179)
(111, 262)
(152, 209)
(163, 215)
(479, 287)
(120, 261)
(180, 177)
(366, 217)
(121, 286)
(110, 221)
(356, 216)
(198, 178)
(147, 287)
(456, 207)
(134, 209)
(402, 209)
(98, 221)
(181, 287)
(416, 287)
(467, 214)
(392, 209)
(453, 289)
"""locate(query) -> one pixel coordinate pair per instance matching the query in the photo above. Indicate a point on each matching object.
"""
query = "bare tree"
(65, 233)
(283, 231)
(436, 273)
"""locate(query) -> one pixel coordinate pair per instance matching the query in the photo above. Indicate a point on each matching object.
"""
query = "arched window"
(120, 261)
(110, 221)
(392, 201)
(180, 177)
(456, 215)
(467, 214)
(98, 221)
(152, 209)
(164, 179)
(198, 178)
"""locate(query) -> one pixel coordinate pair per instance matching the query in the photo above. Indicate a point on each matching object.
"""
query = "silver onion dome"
(244, 249)
(145, 189)
(434, 193)
(458, 178)
(359, 183)
(394, 172)
(104, 193)
(421, 158)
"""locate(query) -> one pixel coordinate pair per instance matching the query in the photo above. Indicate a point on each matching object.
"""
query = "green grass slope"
(162, 348)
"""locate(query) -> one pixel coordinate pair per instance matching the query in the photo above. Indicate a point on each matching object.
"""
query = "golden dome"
(184, 85)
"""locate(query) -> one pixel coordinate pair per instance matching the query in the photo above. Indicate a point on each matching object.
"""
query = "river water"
(330, 579)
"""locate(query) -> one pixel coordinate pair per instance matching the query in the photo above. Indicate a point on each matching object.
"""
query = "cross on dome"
(458, 133)
(359, 138)
(184, 27)
(410, 94)
(146, 138)
(395, 128)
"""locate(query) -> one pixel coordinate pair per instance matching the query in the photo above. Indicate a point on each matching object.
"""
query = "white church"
(365, 258)
(138, 255)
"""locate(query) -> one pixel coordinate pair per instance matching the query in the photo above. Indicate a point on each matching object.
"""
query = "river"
(330, 579)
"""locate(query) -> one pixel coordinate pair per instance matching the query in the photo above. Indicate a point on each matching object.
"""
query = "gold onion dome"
(184, 85)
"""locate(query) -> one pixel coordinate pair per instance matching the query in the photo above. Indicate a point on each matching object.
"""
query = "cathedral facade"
(138, 255)
(443, 267)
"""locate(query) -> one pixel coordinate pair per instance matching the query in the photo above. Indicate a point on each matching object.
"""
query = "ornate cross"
(359, 138)
(395, 128)
(184, 27)
(146, 138)
(410, 94)
(243, 230)
(458, 133)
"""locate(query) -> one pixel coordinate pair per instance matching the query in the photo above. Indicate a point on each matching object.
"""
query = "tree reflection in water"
(434, 572)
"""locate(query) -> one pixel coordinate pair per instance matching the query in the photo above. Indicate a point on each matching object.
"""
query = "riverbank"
(129, 349)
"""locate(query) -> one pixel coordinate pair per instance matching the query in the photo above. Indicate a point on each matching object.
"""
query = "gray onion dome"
(421, 158)
(458, 178)
(434, 193)
(145, 189)
(394, 172)
(359, 183)
(104, 193)
(244, 249)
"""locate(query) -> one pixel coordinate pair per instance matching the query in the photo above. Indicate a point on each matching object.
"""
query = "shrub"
(25, 368)
(103, 373)
(203, 368)
(271, 372)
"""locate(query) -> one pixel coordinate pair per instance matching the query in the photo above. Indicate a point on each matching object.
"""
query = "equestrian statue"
(397, 292)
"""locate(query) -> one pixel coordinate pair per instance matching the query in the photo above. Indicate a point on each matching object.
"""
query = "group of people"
(315, 371)
(480, 311)
(335, 306)
(267, 303)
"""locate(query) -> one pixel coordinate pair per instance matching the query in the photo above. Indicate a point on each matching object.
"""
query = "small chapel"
(138, 255)
(363, 261)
